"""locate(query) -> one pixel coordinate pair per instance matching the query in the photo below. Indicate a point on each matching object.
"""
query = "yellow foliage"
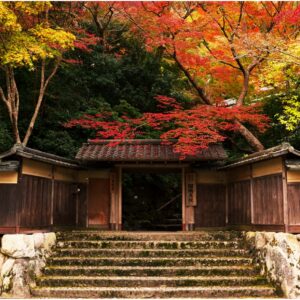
(282, 66)
(53, 36)
(32, 7)
(23, 45)
(8, 20)
(291, 113)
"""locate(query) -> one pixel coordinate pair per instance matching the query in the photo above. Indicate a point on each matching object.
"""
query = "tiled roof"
(142, 150)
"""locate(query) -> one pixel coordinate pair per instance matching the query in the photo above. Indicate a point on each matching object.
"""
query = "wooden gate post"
(190, 200)
(285, 198)
(184, 227)
(112, 219)
(116, 199)
(119, 199)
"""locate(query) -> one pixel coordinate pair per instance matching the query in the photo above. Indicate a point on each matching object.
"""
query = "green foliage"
(284, 126)
(5, 136)
(57, 141)
(101, 82)
(290, 117)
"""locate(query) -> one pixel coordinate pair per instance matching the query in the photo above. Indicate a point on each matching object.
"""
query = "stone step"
(151, 252)
(168, 227)
(156, 292)
(173, 220)
(150, 281)
(247, 270)
(159, 244)
(177, 215)
(152, 261)
(99, 264)
(146, 236)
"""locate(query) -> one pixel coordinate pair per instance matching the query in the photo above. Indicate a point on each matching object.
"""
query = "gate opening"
(152, 201)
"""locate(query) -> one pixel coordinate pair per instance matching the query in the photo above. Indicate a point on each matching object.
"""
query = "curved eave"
(25, 152)
(274, 152)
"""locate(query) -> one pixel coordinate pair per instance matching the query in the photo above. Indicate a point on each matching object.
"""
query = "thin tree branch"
(199, 90)
(3, 95)
(219, 60)
(54, 70)
(229, 39)
(7, 104)
(153, 12)
(16, 94)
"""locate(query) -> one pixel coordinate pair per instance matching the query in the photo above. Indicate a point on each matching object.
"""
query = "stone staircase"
(171, 222)
(93, 264)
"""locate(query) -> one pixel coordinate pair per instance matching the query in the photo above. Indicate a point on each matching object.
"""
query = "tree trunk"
(15, 129)
(33, 119)
(11, 100)
(43, 86)
(252, 140)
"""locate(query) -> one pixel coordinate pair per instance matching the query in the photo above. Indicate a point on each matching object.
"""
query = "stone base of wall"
(278, 254)
(22, 258)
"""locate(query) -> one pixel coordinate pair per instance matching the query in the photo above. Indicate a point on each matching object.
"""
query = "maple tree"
(104, 15)
(28, 41)
(221, 49)
(189, 130)
(281, 79)
(218, 46)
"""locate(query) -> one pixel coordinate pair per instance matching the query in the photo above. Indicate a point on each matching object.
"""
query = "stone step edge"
(144, 253)
(151, 250)
(150, 233)
(153, 238)
(140, 289)
(242, 267)
(153, 278)
(93, 258)
(153, 241)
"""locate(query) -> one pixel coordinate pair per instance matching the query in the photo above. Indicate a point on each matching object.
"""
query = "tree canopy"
(199, 72)
(28, 40)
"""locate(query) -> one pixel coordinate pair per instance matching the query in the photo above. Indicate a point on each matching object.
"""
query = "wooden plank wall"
(293, 191)
(268, 200)
(293, 197)
(255, 195)
(35, 201)
(82, 205)
(251, 196)
(211, 205)
(42, 197)
(64, 204)
(9, 198)
(239, 204)
(211, 199)
(67, 206)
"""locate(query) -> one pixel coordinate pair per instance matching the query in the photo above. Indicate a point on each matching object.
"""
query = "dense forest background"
(123, 77)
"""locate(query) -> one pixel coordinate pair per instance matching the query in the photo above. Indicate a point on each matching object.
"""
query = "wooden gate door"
(99, 202)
